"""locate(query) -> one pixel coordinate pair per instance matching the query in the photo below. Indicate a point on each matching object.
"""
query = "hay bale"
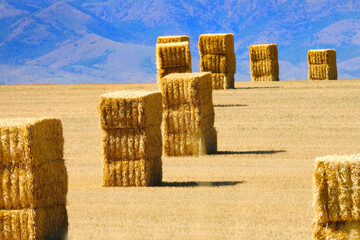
(127, 173)
(130, 109)
(345, 230)
(337, 189)
(188, 114)
(222, 80)
(30, 141)
(172, 39)
(221, 43)
(216, 63)
(264, 64)
(322, 64)
(321, 56)
(42, 223)
(166, 71)
(173, 55)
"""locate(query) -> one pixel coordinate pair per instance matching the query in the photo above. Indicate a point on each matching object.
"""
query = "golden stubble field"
(258, 186)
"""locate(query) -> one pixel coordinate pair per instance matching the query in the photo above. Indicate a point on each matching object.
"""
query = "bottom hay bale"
(323, 72)
(265, 78)
(42, 223)
(346, 230)
(222, 80)
(185, 143)
(132, 173)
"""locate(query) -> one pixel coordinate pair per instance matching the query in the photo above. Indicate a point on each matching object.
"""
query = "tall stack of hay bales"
(172, 55)
(218, 57)
(188, 114)
(264, 65)
(132, 148)
(337, 198)
(33, 179)
(322, 64)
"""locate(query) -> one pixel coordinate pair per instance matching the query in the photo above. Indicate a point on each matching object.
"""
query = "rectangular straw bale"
(265, 78)
(130, 109)
(321, 56)
(172, 39)
(127, 173)
(132, 144)
(42, 186)
(30, 141)
(190, 143)
(171, 55)
(337, 188)
(186, 88)
(323, 72)
(184, 118)
(222, 80)
(41, 223)
(261, 52)
(345, 230)
(222, 43)
(264, 67)
(218, 63)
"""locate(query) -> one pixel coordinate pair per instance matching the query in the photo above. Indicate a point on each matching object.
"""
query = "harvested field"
(258, 186)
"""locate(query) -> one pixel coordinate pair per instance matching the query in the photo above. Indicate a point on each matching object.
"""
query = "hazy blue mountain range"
(80, 41)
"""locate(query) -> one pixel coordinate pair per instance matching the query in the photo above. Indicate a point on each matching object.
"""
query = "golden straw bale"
(130, 109)
(132, 144)
(321, 56)
(265, 78)
(222, 43)
(41, 223)
(336, 188)
(186, 88)
(264, 67)
(30, 141)
(127, 173)
(260, 52)
(38, 187)
(172, 39)
(323, 72)
(217, 63)
(171, 55)
(344, 230)
(222, 80)
(163, 72)
(183, 118)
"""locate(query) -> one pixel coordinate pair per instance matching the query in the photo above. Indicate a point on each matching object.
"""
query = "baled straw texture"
(264, 68)
(337, 189)
(222, 43)
(323, 72)
(264, 64)
(345, 230)
(222, 80)
(42, 186)
(260, 52)
(129, 173)
(265, 78)
(30, 141)
(172, 55)
(166, 71)
(172, 39)
(130, 109)
(132, 144)
(321, 56)
(217, 63)
(42, 223)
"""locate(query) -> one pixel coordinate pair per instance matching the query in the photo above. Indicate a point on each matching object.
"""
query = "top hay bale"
(261, 52)
(222, 43)
(130, 109)
(322, 56)
(30, 142)
(172, 39)
(173, 55)
(337, 189)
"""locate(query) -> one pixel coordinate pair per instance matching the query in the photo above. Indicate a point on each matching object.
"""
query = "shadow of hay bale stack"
(322, 64)
(337, 197)
(217, 56)
(264, 65)
(132, 150)
(34, 179)
(188, 114)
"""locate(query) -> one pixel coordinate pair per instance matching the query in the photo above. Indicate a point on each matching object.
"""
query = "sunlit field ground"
(258, 185)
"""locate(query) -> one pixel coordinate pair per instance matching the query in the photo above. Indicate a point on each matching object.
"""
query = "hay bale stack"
(172, 56)
(336, 196)
(264, 65)
(188, 114)
(322, 64)
(33, 179)
(218, 57)
(132, 147)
